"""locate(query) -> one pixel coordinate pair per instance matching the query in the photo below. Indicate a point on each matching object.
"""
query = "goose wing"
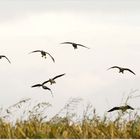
(113, 109)
(58, 76)
(37, 85)
(45, 87)
(129, 70)
(113, 67)
(83, 46)
(45, 82)
(6, 58)
(67, 43)
(129, 107)
(36, 51)
(50, 56)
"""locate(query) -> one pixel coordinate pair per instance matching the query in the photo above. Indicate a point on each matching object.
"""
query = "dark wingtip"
(109, 111)
(30, 52)
(108, 68)
(130, 107)
(62, 42)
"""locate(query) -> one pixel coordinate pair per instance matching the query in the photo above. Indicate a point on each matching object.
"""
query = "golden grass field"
(124, 125)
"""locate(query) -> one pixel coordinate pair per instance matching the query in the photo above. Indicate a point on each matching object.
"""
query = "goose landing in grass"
(3, 56)
(121, 70)
(52, 80)
(43, 86)
(122, 108)
(75, 45)
(43, 53)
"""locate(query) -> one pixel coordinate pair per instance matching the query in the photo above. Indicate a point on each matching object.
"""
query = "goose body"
(43, 54)
(52, 80)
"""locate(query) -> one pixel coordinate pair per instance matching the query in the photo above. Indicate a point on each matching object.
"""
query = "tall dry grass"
(91, 125)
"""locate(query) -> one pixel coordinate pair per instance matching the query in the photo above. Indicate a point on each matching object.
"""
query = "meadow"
(65, 124)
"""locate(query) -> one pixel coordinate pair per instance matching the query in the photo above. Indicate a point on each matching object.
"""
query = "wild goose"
(43, 86)
(75, 45)
(121, 70)
(122, 108)
(52, 80)
(43, 53)
(3, 56)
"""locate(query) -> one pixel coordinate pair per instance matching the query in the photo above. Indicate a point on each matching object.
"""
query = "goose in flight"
(121, 70)
(52, 80)
(3, 56)
(75, 45)
(43, 53)
(122, 108)
(43, 86)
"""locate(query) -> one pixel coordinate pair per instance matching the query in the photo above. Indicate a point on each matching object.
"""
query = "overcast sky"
(111, 29)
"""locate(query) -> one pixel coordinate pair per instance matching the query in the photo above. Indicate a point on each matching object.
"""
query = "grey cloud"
(19, 8)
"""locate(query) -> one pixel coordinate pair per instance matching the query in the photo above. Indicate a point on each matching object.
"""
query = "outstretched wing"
(113, 109)
(67, 43)
(58, 76)
(113, 67)
(129, 70)
(129, 107)
(83, 46)
(37, 85)
(36, 51)
(45, 87)
(6, 58)
(45, 82)
(50, 56)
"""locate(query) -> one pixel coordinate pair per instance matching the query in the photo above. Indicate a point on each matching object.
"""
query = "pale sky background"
(111, 28)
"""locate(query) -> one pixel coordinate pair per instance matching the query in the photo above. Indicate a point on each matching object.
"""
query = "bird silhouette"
(75, 45)
(52, 80)
(3, 56)
(122, 108)
(43, 86)
(43, 53)
(121, 70)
